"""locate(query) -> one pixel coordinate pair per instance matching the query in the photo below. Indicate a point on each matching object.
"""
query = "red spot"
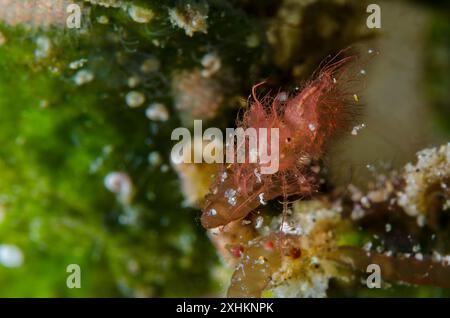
(269, 245)
(237, 251)
(295, 252)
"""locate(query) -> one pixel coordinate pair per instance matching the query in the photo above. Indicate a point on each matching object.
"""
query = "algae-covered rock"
(80, 181)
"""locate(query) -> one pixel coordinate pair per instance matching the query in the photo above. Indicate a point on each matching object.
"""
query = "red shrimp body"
(306, 122)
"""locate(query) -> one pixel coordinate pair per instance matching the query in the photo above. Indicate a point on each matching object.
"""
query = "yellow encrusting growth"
(432, 168)
(190, 17)
(308, 275)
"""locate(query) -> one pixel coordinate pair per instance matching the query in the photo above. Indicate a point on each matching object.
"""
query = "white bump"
(83, 77)
(230, 194)
(261, 199)
(356, 129)
(154, 158)
(103, 19)
(120, 184)
(10, 256)
(133, 81)
(259, 222)
(140, 15)
(77, 64)
(135, 99)
(388, 227)
(257, 175)
(43, 47)
(211, 63)
(158, 112)
(223, 177)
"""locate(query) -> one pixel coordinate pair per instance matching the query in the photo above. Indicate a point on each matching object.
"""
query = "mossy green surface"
(59, 141)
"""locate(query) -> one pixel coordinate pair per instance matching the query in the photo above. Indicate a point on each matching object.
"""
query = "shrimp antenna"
(254, 90)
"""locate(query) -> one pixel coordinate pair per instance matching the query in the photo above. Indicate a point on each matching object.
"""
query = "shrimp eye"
(288, 139)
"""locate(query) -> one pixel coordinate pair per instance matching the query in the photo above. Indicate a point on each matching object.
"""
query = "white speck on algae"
(140, 14)
(43, 47)
(119, 183)
(83, 77)
(103, 19)
(135, 99)
(10, 256)
(191, 17)
(133, 81)
(211, 63)
(157, 112)
(77, 64)
(154, 158)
